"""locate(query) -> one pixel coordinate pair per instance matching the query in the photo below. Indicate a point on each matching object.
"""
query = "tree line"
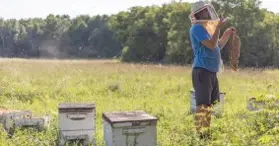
(141, 34)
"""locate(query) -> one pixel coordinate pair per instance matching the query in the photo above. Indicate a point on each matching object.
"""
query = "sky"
(41, 8)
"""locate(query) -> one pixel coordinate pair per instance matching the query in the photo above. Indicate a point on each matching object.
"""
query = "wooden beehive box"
(11, 119)
(77, 122)
(129, 129)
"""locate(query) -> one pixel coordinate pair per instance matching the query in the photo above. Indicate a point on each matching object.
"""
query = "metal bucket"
(218, 108)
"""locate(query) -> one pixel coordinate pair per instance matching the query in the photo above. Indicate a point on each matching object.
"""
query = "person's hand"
(222, 22)
(230, 31)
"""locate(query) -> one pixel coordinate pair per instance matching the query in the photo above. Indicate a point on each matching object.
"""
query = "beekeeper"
(206, 64)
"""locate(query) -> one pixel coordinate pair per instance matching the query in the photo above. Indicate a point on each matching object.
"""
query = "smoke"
(50, 49)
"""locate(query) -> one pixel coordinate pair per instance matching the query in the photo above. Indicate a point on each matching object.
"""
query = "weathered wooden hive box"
(77, 122)
(12, 119)
(134, 128)
(217, 109)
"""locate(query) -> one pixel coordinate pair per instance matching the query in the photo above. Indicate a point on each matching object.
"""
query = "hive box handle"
(134, 130)
(76, 116)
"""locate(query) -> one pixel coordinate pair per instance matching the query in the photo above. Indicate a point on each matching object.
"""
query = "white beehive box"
(77, 122)
(134, 128)
(218, 109)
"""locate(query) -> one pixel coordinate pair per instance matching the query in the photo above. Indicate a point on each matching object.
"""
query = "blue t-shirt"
(203, 56)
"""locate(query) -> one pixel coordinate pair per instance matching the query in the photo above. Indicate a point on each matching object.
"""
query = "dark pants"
(206, 86)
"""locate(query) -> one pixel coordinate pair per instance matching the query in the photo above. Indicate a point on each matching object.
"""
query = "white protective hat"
(201, 5)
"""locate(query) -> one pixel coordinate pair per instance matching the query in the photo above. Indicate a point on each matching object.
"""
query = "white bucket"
(218, 108)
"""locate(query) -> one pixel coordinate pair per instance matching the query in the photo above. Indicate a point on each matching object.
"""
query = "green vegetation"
(155, 34)
(163, 91)
(141, 34)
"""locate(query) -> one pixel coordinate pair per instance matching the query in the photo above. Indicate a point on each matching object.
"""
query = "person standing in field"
(207, 60)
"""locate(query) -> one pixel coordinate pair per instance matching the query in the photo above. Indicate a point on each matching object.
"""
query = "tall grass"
(163, 91)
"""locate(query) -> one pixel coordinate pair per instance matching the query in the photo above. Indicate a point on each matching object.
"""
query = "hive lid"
(76, 106)
(131, 116)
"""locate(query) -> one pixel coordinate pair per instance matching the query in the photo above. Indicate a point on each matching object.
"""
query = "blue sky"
(41, 8)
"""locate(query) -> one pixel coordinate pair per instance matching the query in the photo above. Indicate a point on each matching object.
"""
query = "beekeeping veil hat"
(200, 5)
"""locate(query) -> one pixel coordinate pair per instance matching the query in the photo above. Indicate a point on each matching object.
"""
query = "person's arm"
(202, 35)
(212, 42)
(223, 41)
(226, 35)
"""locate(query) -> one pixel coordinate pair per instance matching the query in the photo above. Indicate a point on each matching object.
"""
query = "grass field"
(163, 91)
